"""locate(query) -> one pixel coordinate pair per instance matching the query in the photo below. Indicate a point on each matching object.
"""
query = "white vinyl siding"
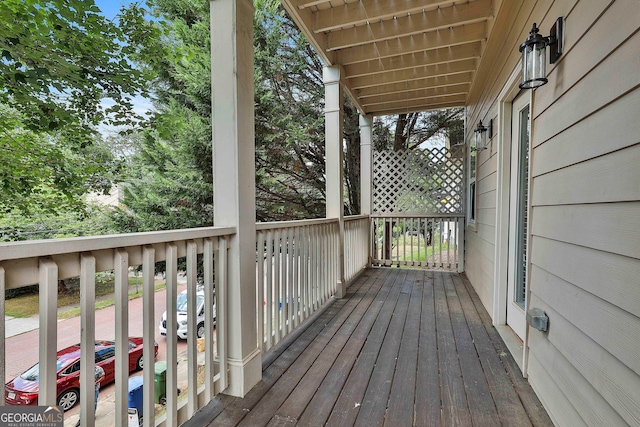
(585, 207)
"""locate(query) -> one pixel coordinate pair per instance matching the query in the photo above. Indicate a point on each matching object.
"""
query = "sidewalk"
(15, 326)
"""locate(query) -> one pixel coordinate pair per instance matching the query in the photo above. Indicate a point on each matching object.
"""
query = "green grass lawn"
(27, 305)
(403, 247)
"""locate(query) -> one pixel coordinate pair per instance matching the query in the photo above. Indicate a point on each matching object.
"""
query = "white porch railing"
(46, 262)
(356, 245)
(419, 241)
(297, 272)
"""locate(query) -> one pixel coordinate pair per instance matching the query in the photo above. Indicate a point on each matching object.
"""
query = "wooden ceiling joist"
(431, 20)
(422, 94)
(400, 56)
(445, 37)
(411, 85)
(417, 105)
(359, 13)
(437, 70)
(414, 60)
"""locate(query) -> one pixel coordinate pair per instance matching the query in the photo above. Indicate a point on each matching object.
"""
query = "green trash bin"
(160, 382)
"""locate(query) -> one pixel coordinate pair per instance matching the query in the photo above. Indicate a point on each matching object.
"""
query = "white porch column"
(333, 115)
(234, 179)
(366, 172)
(366, 164)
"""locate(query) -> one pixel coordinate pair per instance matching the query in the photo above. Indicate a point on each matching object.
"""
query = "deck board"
(427, 403)
(374, 403)
(404, 347)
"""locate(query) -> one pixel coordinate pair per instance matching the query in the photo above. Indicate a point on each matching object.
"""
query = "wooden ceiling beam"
(302, 4)
(466, 13)
(414, 60)
(414, 95)
(318, 41)
(402, 107)
(450, 68)
(431, 82)
(445, 37)
(359, 13)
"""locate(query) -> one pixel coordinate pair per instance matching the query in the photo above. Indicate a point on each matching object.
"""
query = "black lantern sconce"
(533, 51)
(483, 135)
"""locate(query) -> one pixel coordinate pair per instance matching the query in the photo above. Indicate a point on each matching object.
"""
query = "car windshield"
(182, 302)
(33, 372)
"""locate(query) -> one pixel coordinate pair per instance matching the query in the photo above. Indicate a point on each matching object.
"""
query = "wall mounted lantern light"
(533, 51)
(483, 135)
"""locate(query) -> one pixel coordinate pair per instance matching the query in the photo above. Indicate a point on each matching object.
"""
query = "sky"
(141, 105)
(111, 7)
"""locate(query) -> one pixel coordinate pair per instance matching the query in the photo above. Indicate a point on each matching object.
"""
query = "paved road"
(22, 349)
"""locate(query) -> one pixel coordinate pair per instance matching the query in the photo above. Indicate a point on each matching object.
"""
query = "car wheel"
(200, 330)
(68, 399)
(140, 363)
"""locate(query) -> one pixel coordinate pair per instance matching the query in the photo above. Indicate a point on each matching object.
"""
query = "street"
(22, 350)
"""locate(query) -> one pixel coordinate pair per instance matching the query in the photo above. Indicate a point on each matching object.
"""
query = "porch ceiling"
(400, 55)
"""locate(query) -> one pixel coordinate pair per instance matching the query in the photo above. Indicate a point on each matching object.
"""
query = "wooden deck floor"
(405, 347)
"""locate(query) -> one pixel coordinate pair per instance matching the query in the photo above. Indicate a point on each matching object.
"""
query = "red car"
(23, 390)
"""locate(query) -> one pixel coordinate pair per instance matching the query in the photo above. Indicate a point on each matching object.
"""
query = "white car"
(182, 316)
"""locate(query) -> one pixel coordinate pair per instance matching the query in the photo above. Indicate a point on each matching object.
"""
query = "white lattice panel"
(426, 181)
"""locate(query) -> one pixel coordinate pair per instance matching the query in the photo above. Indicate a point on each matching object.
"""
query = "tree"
(289, 120)
(61, 60)
(290, 152)
(64, 70)
(41, 174)
(289, 141)
(410, 130)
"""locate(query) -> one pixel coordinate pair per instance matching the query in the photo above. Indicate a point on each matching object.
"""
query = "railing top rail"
(37, 248)
(260, 226)
(355, 217)
(416, 215)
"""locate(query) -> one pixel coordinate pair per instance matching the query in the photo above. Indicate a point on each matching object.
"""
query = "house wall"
(585, 205)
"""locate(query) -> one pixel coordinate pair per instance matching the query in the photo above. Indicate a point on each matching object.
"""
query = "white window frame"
(472, 187)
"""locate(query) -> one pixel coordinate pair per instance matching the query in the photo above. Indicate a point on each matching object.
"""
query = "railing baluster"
(326, 262)
(440, 241)
(296, 277)
(148, 314)
(277, 286)
(269, 301)
(209, 301)
(290, 296)
(304, 284)
(192, 318)
(87, 336)
(171, 275)
(48, 300)
(121, 299)
(312, 269)
(289, 282)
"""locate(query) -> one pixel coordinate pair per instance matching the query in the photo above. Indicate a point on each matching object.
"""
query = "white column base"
(341, 289)
(244, 374)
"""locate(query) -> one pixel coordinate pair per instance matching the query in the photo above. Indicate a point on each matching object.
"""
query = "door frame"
(503, 176)
(515, 311)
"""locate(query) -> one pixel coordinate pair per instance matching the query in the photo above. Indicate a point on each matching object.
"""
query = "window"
(71, 369)
(105, 354)
(471, 196)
